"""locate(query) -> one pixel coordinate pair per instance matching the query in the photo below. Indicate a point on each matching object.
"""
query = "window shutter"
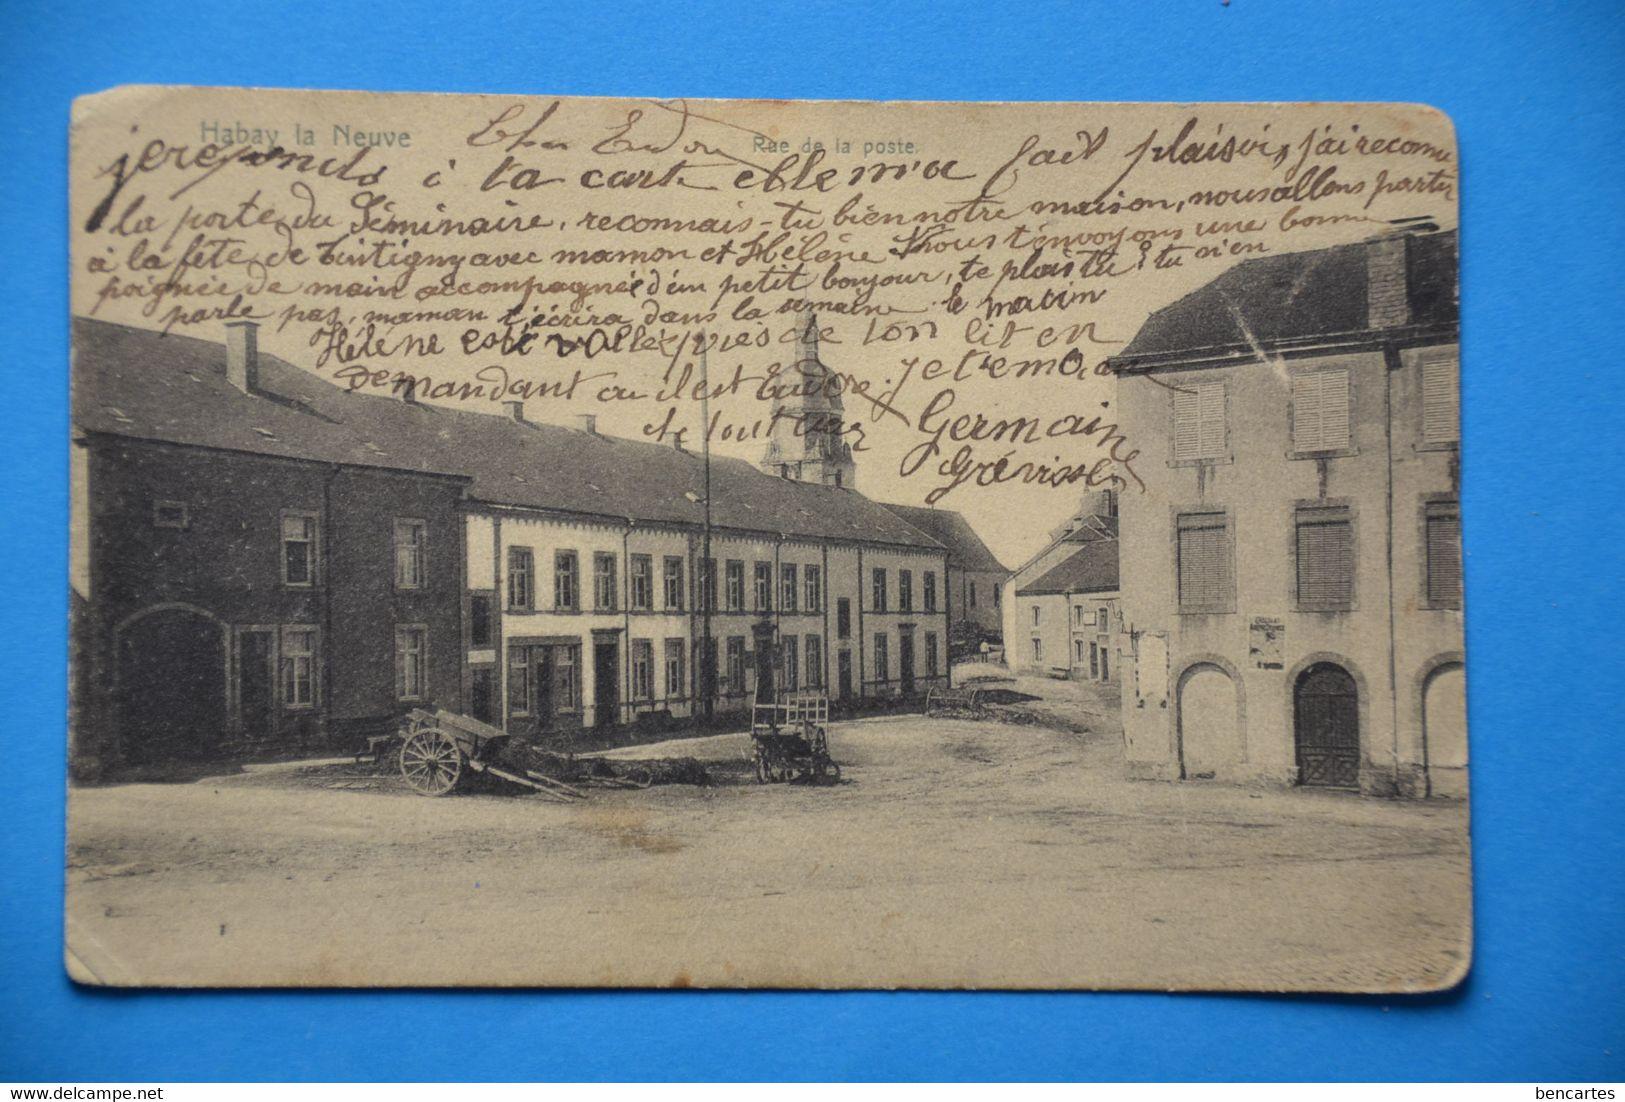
(1186, 439)
(1440, 400)
(1320, 410)
(1212, 431)
(1444, 556)
(1325, 559)
(1204, 562)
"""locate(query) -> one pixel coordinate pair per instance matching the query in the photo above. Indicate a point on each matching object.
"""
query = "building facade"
(264, 562)
(976, 577)
(1062, 615)
(1293, 606)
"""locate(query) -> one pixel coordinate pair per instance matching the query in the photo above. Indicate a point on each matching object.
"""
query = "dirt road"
(956, 853)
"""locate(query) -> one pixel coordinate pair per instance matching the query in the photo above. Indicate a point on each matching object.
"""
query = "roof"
(1322, 292)
(1090, 568)
(966, 551)
(140, 383)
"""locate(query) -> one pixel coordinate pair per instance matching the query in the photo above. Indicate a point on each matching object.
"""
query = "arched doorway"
(1209, 737)
(1326, 727)
(1444, 726)
(171, 685)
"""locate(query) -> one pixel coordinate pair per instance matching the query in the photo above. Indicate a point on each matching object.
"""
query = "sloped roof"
(1321, 292)
(966, 551)
(140, 383)
(1090, 568)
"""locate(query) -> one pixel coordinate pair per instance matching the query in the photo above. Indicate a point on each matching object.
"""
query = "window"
(792, 662)
(708, 584)
(1038, 650)
(673, 574)
(410, 536)
(566, 687)
(519, 681)
(1325, 559)
(882, 661)
(815, 589)
(1036, 613)
(878, 596)
(1441, 408)
(1103, 619)
(479, 620)
(640, 595)
(764, 586)
(1094, 658)
(1204, 562)
(1077, 646)
(1199, 431)
(997, 597)
(930, 654)
(566, 582)
(603, 581)
(905, 591)
(789, 583)
(734, 585)
(843, 618)
(643, 669)
(815, 662)
(1078, 616)
(674, 668)
(1320, 410)
(411, 662)
(930, 593)
(298, 549)
(736, 664)
(972, 589)
(521, 578)
(298, 667)
(170, 514)
(1443, 522)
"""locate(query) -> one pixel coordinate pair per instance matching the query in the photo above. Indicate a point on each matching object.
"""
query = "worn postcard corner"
(542, 541)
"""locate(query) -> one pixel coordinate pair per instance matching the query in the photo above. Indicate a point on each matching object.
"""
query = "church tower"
(805, 443)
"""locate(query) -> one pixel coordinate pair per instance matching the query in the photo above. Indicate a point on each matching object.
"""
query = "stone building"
(975, 575)
(1292, 600)
(1061, 612)
(264, 561)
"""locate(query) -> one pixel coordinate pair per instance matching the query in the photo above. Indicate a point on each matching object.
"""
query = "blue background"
(1535, 91)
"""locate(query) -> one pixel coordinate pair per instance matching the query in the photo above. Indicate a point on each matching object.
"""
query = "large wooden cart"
(441, 750)
(790, 740)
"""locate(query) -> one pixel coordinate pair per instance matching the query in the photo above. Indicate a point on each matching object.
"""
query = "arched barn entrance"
(1326, 712)
(1209, 737)
(171, 685)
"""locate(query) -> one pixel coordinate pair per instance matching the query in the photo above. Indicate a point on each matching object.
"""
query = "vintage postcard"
(529, 540)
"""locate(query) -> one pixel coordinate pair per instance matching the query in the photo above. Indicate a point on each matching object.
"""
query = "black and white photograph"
(542, 541)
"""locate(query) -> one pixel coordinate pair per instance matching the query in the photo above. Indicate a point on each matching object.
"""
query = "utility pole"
(707, 567)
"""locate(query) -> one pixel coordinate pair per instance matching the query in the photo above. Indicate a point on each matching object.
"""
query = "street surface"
(955, 853)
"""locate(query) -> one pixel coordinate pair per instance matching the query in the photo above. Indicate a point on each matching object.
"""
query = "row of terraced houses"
(264, 561)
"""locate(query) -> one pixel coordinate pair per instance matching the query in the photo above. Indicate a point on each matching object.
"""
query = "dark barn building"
(248, 576)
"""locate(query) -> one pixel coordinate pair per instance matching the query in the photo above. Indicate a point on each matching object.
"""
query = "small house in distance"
(1061, 614)
(976, 577)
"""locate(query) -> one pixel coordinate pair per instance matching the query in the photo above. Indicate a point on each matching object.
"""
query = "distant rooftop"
(140, 383)
(966, 551)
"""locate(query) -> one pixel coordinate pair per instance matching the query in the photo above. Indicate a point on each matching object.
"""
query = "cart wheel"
(431, 762)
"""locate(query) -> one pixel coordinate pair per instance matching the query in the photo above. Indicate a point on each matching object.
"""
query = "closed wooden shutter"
(1204, 562)
(1199, 428)
(1444, 555)
(1320, 410)
(1440, 400)
(1325, 558)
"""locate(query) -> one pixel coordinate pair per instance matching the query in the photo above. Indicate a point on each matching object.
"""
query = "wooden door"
(1327, 727)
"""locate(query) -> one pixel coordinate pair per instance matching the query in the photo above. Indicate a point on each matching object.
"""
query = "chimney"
(1387, 302)
(408, 386)
(587, 422)
(514, 411)
(243, 355)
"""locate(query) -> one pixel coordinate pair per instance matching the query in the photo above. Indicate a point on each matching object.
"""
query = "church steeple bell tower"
(805, 442)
